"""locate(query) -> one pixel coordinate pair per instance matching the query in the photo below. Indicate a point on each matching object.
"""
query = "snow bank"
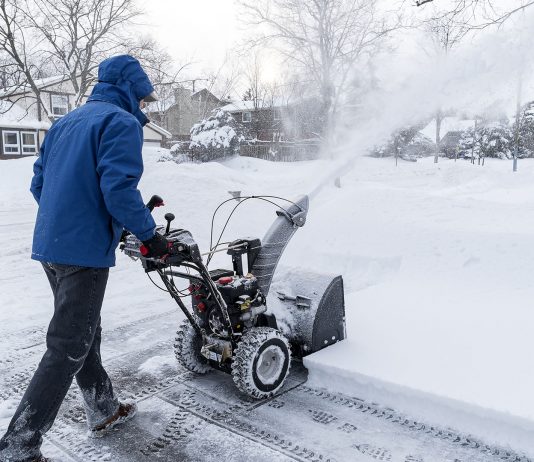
(454, 320)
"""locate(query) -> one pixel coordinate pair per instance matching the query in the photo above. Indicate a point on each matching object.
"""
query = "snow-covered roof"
(160, 130)
(448, 124)
(14, 116)
(238, 106)
(165, 103)
(40, 83)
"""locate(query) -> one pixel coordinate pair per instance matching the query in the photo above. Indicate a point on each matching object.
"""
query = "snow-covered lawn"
(437, 263)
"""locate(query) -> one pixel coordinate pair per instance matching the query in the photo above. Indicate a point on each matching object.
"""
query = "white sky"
(205, 30)
(193, 30)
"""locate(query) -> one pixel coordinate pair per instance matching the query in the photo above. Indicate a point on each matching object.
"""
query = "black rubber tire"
(187, 349)
(246, 361)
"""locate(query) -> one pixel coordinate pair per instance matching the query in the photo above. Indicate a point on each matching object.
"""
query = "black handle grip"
(155, 201)
(169, 217)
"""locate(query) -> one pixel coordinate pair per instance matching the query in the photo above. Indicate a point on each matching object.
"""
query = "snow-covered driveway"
(188, 418)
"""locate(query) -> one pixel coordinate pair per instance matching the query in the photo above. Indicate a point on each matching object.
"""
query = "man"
(85, 182)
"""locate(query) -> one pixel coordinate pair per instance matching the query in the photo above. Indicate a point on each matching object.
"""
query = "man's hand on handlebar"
(155, 247)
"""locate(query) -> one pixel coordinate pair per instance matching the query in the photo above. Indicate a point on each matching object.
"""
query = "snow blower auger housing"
(229, 326)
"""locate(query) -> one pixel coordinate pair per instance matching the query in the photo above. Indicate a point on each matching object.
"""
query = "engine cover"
(241, 295)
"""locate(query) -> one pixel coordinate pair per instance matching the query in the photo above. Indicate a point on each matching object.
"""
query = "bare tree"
(164, 73)
(482, 13)
(19, 65)
(322, 38)
(71, 36)
(256, 88)
(261, 95)
(224, 81)
(79, 33)
(446, 32)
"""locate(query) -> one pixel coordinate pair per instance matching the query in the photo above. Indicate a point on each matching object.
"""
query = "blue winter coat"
(85, 179)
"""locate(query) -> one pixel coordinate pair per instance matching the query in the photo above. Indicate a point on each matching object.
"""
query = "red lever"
(225, 280)
(143, 249)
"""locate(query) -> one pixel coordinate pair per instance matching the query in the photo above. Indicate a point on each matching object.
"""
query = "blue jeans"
(73, 351)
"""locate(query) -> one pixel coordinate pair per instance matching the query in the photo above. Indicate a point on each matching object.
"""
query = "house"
(24, 123)
(279, 120)
(21, 133)
(154, 135)
(263, 123)
(182, 109)
(448, 124)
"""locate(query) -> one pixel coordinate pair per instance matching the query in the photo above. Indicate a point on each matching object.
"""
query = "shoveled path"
(183, 417)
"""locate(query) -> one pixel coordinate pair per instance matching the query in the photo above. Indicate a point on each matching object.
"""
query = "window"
(278, 136)
(247, 117)
(29, 142)
(277, 114)
(11, 143)
(60, 105)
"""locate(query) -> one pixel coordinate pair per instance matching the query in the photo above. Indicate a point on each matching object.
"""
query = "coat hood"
(122, 81)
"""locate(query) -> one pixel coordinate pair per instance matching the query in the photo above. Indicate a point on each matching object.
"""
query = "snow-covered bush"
(408, 144)
(489, 140)
(526, 131)
(179, 153)
(217, 136)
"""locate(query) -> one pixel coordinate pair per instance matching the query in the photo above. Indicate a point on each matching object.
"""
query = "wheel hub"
(270, 364)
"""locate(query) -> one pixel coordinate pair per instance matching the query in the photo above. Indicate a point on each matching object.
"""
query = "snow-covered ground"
(436, 262)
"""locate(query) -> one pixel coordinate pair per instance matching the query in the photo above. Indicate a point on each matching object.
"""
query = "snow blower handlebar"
(182, 251)
(155, 201)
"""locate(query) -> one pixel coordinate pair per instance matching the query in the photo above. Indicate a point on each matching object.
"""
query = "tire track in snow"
(27, 343)
(402, 420)
(208, 400)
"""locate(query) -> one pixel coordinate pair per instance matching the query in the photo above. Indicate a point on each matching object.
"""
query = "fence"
(281, 152)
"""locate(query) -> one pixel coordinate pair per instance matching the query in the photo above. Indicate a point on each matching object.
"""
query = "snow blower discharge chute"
(248, 324)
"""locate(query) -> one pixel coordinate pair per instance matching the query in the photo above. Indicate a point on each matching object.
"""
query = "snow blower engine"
(234, 323)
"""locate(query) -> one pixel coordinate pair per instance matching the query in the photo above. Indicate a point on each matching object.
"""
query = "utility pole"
(474, 141)
(517, 122)
(519, 91)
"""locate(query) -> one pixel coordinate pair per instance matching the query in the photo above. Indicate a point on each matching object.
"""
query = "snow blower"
(247, 323)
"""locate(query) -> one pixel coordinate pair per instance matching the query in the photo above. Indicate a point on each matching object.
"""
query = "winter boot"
(126, 411)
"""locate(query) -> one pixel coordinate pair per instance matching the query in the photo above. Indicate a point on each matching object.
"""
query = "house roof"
(204, 90)
(158, 129)
(41, 83)
(240, 106)
(14, 116)
(448, 124)
(164, 104)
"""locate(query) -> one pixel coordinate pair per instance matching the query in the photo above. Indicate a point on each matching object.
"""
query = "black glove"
(155, 247)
